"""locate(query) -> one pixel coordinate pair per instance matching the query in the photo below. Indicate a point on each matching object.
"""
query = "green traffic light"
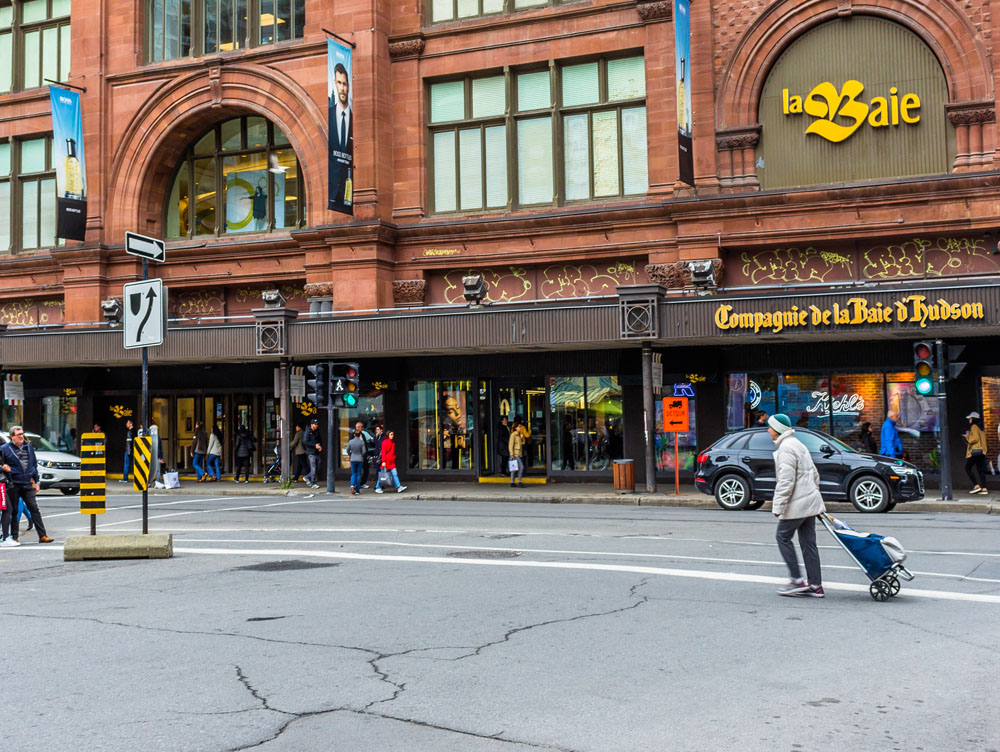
(350, 400)
(924, 386)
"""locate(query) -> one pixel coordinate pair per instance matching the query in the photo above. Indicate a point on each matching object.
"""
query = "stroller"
(273, 472)
(879, 557)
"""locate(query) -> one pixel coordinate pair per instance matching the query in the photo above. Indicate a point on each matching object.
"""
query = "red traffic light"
(351, 373)
(922, 350)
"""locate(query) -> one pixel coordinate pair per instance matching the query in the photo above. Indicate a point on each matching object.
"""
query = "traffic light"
(318, 387)
(954, 368)
(923, 366)
(344, 378)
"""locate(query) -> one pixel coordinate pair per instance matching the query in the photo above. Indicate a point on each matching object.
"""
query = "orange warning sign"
(675, 415)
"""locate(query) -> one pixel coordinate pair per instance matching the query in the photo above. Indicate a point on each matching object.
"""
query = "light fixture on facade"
(474, 289)
(702, 273)
(112, 309)
(273, 299)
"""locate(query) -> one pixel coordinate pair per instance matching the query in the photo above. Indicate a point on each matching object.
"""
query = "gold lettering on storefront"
(913, 309)
(825, 103)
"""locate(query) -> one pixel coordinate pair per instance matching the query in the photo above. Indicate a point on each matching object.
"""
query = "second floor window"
(27, 195)
(178, 28)
(450, 10)
(34, 43)
(569, 132)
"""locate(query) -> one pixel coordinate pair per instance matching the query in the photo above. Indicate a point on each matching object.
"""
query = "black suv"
(738, 470)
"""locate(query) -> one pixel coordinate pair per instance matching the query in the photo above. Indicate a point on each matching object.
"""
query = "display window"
(59, 422)
(805, 399)
(441, 425)
(587, 428)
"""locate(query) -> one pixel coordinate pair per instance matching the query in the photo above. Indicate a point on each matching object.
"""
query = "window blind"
(635, 169)
(534, 160)
(626, 78)
(533, 91)
(489, 97)
(580, 84)
(576, 156)
(447, 101)
(605, 137)
(496, 166)
(470, 168)
(444, 172)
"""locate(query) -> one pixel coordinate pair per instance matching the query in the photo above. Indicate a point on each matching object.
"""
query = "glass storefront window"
(804, 398)
(369, 412)
(748, 395)
(59, 422)
(586, 415)
(441, 423)
(917, 420)
(857, 404)
(687, 443)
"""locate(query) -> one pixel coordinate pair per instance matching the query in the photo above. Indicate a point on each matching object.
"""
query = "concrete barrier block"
(119, 546)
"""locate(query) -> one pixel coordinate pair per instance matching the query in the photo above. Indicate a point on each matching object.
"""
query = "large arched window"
(241, 176)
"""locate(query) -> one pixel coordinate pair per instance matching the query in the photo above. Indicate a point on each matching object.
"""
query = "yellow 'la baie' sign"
(913, 309)
(826, 103)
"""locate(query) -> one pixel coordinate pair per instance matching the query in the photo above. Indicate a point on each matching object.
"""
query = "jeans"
(199, 465)
(520, 470)
(127, 463)
(395, 478)
(313, 466)
(9, 520)
(807, 542)
(356, 469)
(213, 466)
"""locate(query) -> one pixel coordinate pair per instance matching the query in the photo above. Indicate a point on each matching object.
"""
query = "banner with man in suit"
(338, 61)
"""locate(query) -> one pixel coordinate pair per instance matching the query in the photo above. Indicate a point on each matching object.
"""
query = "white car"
(55, 469)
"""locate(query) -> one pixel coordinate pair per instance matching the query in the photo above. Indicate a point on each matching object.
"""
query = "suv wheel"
(869, 494)
(732, 492)
(70, 491)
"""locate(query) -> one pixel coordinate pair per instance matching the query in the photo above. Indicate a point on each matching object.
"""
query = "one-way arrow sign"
(144, 247)
(145, 313)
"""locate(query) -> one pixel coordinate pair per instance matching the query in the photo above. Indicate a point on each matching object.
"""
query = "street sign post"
(676, 419)
(145, 316)
(93, 477)
(145, 247)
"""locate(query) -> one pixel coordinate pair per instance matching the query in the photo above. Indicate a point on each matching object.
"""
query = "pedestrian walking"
(503, 441)
(796, 503)
(867, 439)
(243, 450)
(298, 463)
(892, 445)
(975, 454)
(314, 449)
(356, 454)
(369, 448)
(388, 456)
(199, 449)
(515, 446)
(21, 468)
(127, 463)
(525, 430)
(215, 454)
(375, 451)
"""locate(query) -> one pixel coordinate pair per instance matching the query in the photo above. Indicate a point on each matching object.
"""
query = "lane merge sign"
(145, 320)
(145, 247)
(93, 477)
(142, 462)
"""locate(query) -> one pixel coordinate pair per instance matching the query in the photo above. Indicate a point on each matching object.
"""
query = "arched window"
(243, 176)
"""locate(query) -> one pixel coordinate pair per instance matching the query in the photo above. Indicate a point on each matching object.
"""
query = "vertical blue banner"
(71, 171)
(682, 71)
(341, 107)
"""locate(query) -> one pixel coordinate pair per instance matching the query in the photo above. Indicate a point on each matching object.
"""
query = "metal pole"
(284, 421)
(649, 414)
(942, 396)
(145, 413)
(330, 454)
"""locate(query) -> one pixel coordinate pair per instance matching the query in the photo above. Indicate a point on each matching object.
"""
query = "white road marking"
(151, 505)
(212, 511)
(771, 543)
(662, 571)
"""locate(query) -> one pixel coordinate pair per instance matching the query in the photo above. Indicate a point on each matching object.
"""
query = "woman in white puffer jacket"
(797, 502)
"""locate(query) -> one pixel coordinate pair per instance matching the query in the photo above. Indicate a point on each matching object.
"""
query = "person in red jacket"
(389, 463)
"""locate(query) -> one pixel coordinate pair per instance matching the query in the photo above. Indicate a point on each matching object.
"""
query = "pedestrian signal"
(344, 384)
(923, 367)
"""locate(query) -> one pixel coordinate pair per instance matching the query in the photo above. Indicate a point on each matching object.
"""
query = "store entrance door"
(524, 400)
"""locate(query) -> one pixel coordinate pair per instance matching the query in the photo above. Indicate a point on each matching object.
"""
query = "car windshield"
(39, 443)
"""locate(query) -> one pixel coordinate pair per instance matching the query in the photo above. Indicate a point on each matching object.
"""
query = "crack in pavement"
(257, 696)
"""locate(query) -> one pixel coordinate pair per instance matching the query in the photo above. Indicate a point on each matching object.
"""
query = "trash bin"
(624, 476)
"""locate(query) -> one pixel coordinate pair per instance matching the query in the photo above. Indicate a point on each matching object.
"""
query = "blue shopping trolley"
(880, 557)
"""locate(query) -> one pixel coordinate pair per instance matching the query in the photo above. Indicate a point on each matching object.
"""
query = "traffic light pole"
(145, 414)
(942, 395)
(330, 464)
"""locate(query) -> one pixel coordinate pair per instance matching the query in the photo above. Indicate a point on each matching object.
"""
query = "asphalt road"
(388, 624)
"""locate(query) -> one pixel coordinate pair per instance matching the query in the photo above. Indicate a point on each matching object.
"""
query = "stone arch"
(143, 164)
(942, 25)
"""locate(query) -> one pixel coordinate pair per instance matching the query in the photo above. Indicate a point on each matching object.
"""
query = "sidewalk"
(550, 493)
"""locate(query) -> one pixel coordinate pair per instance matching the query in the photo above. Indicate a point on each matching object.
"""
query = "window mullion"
(511, 141)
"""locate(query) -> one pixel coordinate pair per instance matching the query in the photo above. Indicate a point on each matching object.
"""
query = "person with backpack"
(243, 450)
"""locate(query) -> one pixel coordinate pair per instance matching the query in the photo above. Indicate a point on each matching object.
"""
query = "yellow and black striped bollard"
(93, 477)
(142, 461)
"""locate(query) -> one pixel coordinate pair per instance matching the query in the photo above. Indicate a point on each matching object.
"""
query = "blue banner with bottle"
(341, 108)
(682, 62)
(71, 172)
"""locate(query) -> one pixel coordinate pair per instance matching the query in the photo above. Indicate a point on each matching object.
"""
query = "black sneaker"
(815, 591)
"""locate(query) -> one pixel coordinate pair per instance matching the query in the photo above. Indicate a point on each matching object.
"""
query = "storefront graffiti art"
(795, 265)
(558, 281)
(920, 257)
(201, 302)
(912, 309)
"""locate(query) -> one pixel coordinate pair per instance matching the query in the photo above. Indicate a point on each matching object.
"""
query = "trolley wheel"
(893, 587)
(755, 504)
(879, 590)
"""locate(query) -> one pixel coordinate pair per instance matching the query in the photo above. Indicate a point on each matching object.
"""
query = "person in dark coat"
(18, 462)
(243, 450)
(503, 439)
(867, 439)
(314, 447)
(199, 451)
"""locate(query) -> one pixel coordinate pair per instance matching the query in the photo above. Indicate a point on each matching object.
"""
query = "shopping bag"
(513, 465)
(384, 478)
(3, 495)
(171, 480)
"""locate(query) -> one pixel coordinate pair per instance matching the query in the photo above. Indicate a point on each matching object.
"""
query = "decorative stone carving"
(743, 137)
(677, 276)
(971, 113)
(408, 292)
(406, 48)
(319, 290)
(215, 83)
(657, 10)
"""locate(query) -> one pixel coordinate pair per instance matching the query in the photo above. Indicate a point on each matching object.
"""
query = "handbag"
(3, 496)
(384, 478)
(976, 452)
(513, 464)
